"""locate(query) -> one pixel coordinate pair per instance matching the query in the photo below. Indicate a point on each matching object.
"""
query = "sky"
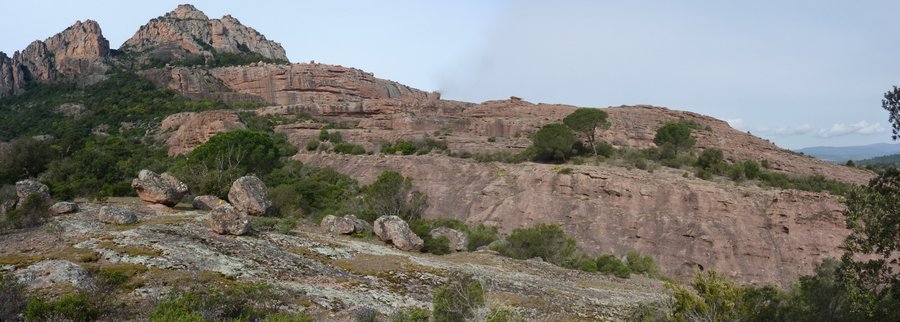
(800, 73)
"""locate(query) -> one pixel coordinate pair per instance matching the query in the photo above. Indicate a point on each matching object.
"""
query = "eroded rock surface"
(458, 240)
(345, 225)
(249, 194)
(63, 207)
(206, 202)
(394, 230)
(228, 220)
(27, 188)
(118, 215)
(192, 129)
(161, 189)
(50, 273)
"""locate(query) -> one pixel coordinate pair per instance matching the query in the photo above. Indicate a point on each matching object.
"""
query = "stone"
(394, 230)
(63, 207)
(207, 202)
(26, 188)
(458, 240)
(345, 225)
(194, 129)
(228, 220)
(117, 215)
(50, 273)
(161, 189)
(249, 194)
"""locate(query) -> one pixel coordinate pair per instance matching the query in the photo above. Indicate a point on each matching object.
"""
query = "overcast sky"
(802, 73)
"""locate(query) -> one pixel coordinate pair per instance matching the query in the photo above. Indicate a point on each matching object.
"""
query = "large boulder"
(63, 207)
(117, 215)
(458, 240)
(162, 189)
(26, 188)
(228, 220)
(394, 230)
(346, 225)
(249, 194)
(51, 273)
(207, 202)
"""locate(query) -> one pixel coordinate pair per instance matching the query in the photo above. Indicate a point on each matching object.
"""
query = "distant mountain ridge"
(840, 154)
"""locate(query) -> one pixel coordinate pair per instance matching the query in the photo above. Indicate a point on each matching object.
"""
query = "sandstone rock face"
(249, 195)
(26, 188)
(75, 54)
(207, 202)
(392, 229)
(51, 273)
(63, 207)
(187, 32)
(228, 220)
(193, 129)
(749, 233)
(458, 240)
(162, 189)
(345, 225)
(117, 215)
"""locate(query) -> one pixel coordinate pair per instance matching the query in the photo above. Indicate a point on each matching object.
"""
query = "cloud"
(736, 123)
(797, 130)
(861, 127)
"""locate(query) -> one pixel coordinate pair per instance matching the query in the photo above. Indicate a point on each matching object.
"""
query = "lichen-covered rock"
(346, 225)
(162, 189)
(117, 215)
(228, 220)
(207, 202)
(394, 230)
(458, 240)
(249, 194)
(63, 207)
(26, 188)
(51, 273)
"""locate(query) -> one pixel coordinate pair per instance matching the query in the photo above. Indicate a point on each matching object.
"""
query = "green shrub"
(586, 121)
(548, 242)
(610, 264)
(312, 145)
(492, 139)
(481, 235)
(392, 195)
(676, 136)
(585, 263)
(437, 245)
(639, 264)
(411, 315)
(25, 158)
(605, 149)
(347, 148)
(553, 143)
(72, 307)
(712, 160)
(12, 298)
(299, 190)
(240, 302)
(212, 166)
(502, 315)
(751, 169)
(282, 225)
(458, 299)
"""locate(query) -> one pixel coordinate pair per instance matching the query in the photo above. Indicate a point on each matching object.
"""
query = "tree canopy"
(676, 135)
(553, 142)
(586, 121)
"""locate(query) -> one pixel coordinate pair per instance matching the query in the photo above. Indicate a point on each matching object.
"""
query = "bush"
(72, 307)
(411, 315)
(299, 190)
(240, 302)
(364, 314)
(437, 245)
(481, 236)
(610, 264)
(458, 299)
(312, 145)
(641, 264)
(25, 158)
(675, 135)
(500, 156)
(605, 149)
(33, 212)
(553, 143)
(12, 298)
(548, 242)
(212, 166)
(392, 195)
(712, 160)
(347, 148)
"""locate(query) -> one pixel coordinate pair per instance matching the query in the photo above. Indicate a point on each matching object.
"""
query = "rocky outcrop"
(458, 240)
(117, 215)
(189, 130)
(206, 202)
(63, 207)
(27, 188)
(394, 230)
(249, 195)
(751, 234)
(345, 225)
(187, 32)
(161, 189)
(74, 55)
(52, 273)
(228, 220)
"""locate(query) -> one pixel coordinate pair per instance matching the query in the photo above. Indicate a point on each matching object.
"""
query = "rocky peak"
(187, 33)
(76, 55)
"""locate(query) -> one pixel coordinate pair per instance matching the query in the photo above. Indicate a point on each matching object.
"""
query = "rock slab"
(26, 188)
(50, 273)
(249, 195)
(345, 225)
(207, 202)
(458, 240)
(392, 229)
(228, 220)
(63, 207)
(117, 215)
(161, 189)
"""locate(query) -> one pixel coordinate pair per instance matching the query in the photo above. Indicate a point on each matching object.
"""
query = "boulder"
(63, 207)
(458, 240)
(394, 230)
(117, 215)
(54, 272)
(26, 188)
(249, 195)
(207, 202)
(346, 225)
(228, 220)
(162, 189)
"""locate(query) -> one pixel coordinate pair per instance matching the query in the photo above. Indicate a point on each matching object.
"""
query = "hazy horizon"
(807, 73)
